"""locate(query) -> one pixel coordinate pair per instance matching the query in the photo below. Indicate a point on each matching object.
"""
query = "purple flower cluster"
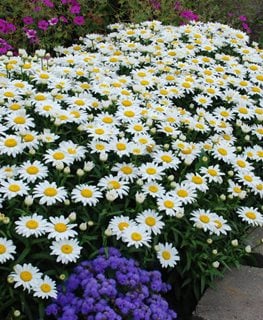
(4, 46)
(189, 15)
(6, 27)
(111, 287)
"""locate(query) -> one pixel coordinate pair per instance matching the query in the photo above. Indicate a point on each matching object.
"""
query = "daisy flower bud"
(215, 264)
(10, 279)
(80, 172)
(60, 166)
(32, 151)
(28, 201)
(248, 249)
(17, 313)
(88, 166)
(108, 232)
(222, 197)
(153, 130)
(234, 243)
(111, 195)
(6, 220)
(139, 182)
(209, 241)
(230, 173)
(103, 157)
(90, 223)
(166, 146)
(83, 226)
(204, 159)
(171, 177)
(247, 137)
(173, 184)
(81, 127)
(214, 252)
(62, 276)
(72, 216)
(139, 197)
(67, 170)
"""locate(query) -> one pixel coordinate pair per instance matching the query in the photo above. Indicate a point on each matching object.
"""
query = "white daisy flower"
(167, 255)
(86, 194)
(33, 225)
(167, 159)
(73, 150)
(31, 171)
(203, 219)
(127, 171)
(150, 220)
(251, 215)
(19, 121)
(26, 276)
(151, 171)
(153, 189)
(213, 173)
(197, 181)
(48, 137)
(118, 224)
(49, 193)
(7, 250)
(58, 157)
(223, 151)
(221, 226)
(184, 193)
(236, 190)
(114, 183)
(12, 188)
(169, 204)
(11, 145)
(66, 250)
(45, 288)
(60, 228)
(136, 236)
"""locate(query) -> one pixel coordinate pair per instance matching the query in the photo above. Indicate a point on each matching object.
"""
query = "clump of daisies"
(111, 287)
(148, 138)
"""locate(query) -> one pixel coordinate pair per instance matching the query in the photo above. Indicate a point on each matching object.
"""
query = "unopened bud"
(83, 226)
(80, 172)
(234, 243)
(216, 264)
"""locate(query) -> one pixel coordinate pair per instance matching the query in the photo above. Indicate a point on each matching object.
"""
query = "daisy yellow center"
(138, 127)
(32, 170)
(60, 227)
(182, 193)
(199, 126)
(10, 143)
(15, 106)
(204, 218)
(237, 189)
(99, 131)
(107, 120)
(67, 249)
(259, 77)
(153, 188)
(79, 102)
(150, 221)
(143, 140)
(212, 172)
(168, 204)
(243, 110)
(259, 186)
(126, 170)
(186, 85)
(218, 224)
(47, 108)
(260, 153)
(121, 146)
(2, 249)
(241, 163)
(251, 215)
(45, 287)
(136, 236)
(168, 129)
(86, 193)
(9, 94)
(28, 137)
(32, 224)
(44, 76)
(100, 147)
(50, 192)
(58, 155)
(123, 225)
(260, 130)
(248, 178)
(75, 114)
(222, 151)
(224, 113)
(166, 255)
(151, 171)
(197, 180)
(72, 151)
(144, 82)
(129, 114)
(26, 276)
(126, 103)
(40, 97)
(187, 151)
(14, 188)
(115, 184)
(210, 90)
(19, 120)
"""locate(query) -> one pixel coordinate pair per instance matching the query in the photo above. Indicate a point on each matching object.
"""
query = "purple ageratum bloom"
(28, 20)
(79, 20)
(43, 24)
(111, 287)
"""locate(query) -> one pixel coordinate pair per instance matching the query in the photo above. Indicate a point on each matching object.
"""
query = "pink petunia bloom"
(43, 25)
(75, 9)
(79, 20)
(53, 21)
(28, 20)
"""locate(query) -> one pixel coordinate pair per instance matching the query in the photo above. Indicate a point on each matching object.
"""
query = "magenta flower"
(75, 9)
(53, 21)
(156, 5)
(28, 20)
(48, 3)
(43, 25)
(79, 20)
(189, 15)
(63, 19)
(246, 27)
(30, 33)
(242, 18)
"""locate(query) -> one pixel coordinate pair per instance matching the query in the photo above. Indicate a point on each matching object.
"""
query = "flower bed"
(147, 139)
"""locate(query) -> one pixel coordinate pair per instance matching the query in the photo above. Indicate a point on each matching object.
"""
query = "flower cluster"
(111, 287)
(149, 137)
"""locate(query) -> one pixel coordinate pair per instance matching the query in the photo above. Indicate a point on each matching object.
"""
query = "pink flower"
(48, 3)
(43, 25)
(53, 21)
(75, 9)
(79, 20)
(242, 18)
(28, 20)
